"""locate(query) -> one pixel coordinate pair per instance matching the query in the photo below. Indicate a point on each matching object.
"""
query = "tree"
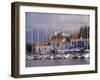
(84, 31)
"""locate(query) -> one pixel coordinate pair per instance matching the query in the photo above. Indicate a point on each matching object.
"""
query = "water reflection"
(56, 62)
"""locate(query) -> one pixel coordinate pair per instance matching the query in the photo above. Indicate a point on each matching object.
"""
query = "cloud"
(66, 22)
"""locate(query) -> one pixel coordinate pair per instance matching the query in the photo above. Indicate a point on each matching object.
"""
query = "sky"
(50, 22)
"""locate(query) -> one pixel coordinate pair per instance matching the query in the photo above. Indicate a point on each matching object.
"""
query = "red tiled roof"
(43, 43)
(76, 36)
(58, 36)
(57, 40)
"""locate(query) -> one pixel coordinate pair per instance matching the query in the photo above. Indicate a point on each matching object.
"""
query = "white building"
(42, 48)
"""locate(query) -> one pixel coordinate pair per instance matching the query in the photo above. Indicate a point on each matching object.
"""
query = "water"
(56, 62)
